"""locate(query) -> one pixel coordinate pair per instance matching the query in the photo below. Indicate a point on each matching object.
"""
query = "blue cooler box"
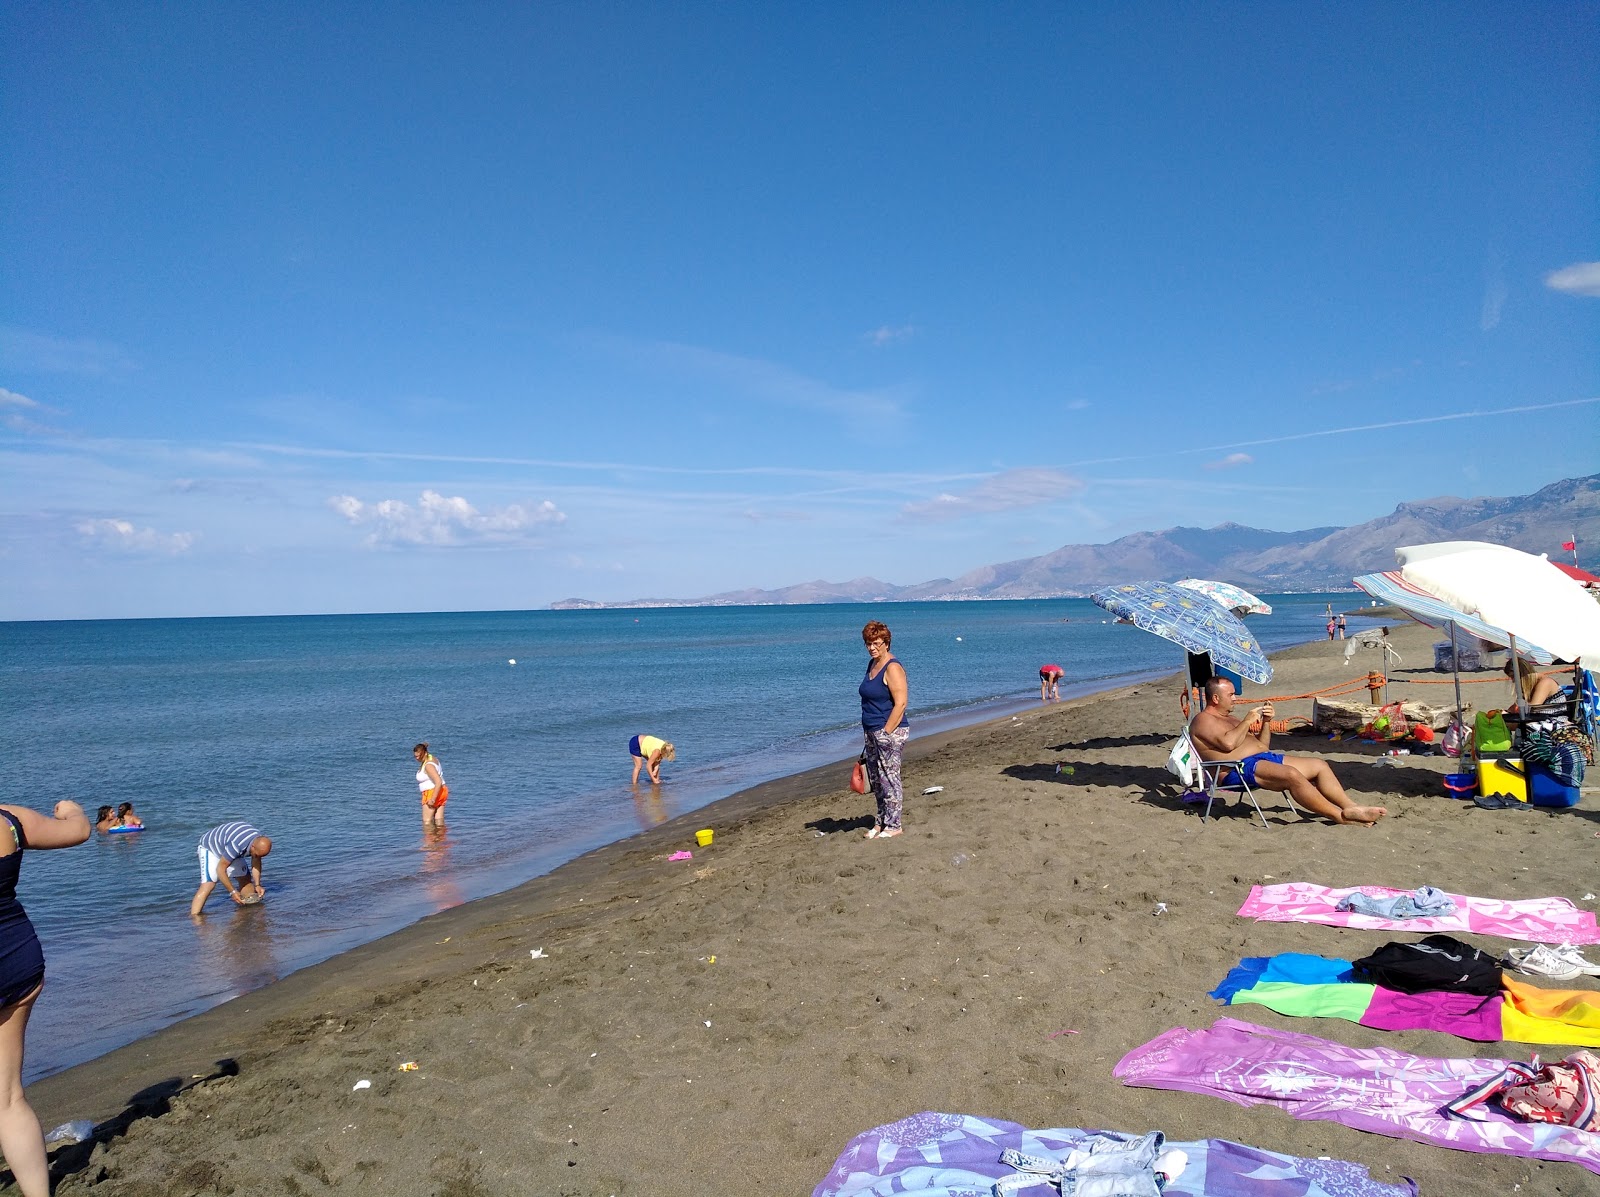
(1545, 790)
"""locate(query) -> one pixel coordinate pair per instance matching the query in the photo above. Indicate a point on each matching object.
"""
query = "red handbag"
(858, 778)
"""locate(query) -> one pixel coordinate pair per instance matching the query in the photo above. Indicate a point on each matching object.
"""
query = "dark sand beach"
(726, 1024)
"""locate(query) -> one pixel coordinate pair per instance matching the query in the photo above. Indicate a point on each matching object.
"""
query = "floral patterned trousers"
(882, 751)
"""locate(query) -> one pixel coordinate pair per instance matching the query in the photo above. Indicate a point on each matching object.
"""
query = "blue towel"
(1299, 968)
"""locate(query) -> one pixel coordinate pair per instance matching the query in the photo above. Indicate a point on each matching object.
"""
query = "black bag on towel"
(1438, 962)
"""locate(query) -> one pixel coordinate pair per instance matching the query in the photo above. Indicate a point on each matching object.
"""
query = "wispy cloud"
(12, 407)
(1077, 405)
(1231, 461)
(1522, 409)
(1581, 278)
(124, 536)
(769, 382)
(22, 349)
(1025, 487)
(888, 334)
(438, 520)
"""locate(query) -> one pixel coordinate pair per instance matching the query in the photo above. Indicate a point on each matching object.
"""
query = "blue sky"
(416, 307)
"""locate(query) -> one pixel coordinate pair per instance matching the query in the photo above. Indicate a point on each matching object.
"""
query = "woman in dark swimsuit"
(21, 979)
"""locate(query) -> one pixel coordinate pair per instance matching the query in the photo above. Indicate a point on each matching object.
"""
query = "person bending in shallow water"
(1219, 736)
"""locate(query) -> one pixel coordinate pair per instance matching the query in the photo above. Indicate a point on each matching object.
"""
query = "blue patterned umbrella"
(1189, 619)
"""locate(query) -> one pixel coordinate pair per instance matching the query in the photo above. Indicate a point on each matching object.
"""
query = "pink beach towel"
(1373, 1089)
(1538, 920)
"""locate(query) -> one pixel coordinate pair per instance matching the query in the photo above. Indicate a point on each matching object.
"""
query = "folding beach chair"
(1215, 783)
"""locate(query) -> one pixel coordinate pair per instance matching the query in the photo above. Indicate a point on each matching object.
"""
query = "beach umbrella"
(1191, 620)
(1235, 598)
(1581, 576)
(1543, 611)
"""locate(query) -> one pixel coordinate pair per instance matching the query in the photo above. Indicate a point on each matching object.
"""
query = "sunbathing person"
(1219, 736)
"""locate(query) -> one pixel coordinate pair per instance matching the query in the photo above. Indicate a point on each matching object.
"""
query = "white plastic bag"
(1181, 760)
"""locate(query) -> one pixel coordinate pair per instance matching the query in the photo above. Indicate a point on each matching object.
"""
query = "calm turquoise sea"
(304, 727)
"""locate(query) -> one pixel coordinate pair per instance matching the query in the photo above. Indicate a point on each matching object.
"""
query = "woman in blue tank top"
(21, 979)
(883, 724)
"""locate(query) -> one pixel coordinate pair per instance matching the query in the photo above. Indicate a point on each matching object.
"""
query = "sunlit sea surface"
(304, 726)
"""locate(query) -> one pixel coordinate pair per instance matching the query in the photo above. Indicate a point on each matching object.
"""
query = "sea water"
(304, 726)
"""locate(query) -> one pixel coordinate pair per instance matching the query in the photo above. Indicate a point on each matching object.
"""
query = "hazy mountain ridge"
(1257, 558)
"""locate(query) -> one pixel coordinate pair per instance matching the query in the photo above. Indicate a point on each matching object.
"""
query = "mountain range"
(1255, 558)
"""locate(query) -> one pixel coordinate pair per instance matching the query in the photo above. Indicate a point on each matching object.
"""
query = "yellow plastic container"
(1495, 778)
(703, 837)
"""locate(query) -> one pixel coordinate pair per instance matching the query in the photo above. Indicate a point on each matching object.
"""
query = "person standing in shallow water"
(430, 781)
(883, 725)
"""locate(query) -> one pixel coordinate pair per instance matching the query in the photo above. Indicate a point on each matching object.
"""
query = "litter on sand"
(934, 790)
(1058, 1034)
(409, 1066)
(360, 1085)
(538, 953)
(681, 856)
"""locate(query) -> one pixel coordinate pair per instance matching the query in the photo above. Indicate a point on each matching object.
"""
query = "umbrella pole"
(1516, 678)
(1455, 667)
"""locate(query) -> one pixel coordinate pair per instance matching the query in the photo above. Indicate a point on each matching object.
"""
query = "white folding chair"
(1215, 783)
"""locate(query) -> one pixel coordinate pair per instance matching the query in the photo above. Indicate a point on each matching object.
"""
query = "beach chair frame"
(1213, 787)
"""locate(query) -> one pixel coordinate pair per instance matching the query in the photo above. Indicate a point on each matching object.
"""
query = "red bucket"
(1461, 785)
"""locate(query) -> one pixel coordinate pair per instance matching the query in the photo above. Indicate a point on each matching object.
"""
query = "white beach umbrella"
(1527, 596)
(1235, 598)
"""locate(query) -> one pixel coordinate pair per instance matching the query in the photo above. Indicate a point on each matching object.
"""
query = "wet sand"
(727, 1023)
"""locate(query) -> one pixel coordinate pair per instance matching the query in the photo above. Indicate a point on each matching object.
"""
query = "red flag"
(1570, 545)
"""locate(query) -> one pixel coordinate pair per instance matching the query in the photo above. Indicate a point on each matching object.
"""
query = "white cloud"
(1231, 461)
(769, 382)
(1494, 303)
(12, 405)
(887, 335)
(1077, 405)
(1581, 278)
(24, 350)
(124, 536)
(1025, 487)
(438, 520)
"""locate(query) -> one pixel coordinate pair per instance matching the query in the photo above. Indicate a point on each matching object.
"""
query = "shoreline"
(262, 1005)
(747, 1012)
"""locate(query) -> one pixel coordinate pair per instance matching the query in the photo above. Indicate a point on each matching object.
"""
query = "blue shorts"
(633, 747)
(1248, 767)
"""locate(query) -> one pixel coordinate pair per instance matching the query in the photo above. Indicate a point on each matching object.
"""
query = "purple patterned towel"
(1373, 1089)
(957, 1155)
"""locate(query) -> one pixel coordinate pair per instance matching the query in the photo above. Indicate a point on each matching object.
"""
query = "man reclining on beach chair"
(1219, 736)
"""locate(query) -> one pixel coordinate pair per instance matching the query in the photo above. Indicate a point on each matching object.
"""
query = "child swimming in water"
(126, 817)
(105, 819)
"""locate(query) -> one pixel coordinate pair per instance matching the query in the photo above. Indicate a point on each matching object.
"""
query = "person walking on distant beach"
(1218, 735)
(21, 980)
(883, 724)
(1333, 626)
(231, 855)
(1341, 625)
(430, 780)
(1050, 682)
(648, 752)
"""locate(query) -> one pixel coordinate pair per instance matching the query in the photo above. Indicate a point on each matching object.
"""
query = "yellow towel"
(1564, 1016)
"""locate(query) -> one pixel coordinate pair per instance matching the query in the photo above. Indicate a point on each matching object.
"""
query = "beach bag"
(1181, 760)
(858, 778)
(1489, 732)
(1566, 1093)
(1454, 739)
(1438, 963)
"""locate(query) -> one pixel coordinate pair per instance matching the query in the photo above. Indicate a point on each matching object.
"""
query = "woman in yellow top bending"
(648, 752)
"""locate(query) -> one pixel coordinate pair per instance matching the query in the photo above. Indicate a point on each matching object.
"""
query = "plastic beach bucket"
(1460, 785)
(704, 835)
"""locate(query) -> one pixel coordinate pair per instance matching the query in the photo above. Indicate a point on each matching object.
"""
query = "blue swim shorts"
(1248, 765)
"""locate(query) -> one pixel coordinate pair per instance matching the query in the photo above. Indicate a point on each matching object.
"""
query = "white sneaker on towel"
(1573, 955)
(1542, 961)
